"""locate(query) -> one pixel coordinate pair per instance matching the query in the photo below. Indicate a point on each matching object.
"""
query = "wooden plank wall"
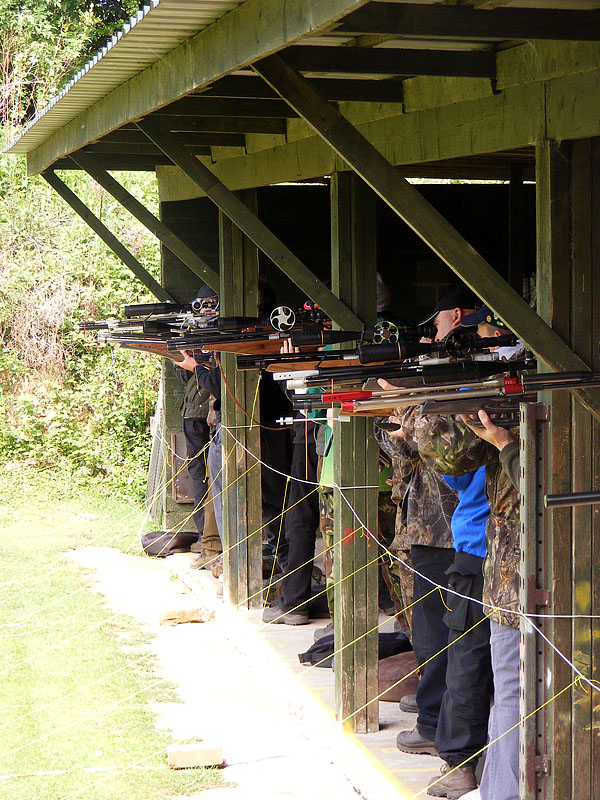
(568, 187)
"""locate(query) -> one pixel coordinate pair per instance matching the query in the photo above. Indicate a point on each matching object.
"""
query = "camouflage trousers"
(394, 574)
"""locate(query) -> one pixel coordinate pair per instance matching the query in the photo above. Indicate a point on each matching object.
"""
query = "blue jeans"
(215, 463)
(500, 778)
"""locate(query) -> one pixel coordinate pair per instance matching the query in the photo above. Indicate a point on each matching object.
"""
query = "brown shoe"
(409, 704)
(413, 742)
(454, 783)
(202, 560)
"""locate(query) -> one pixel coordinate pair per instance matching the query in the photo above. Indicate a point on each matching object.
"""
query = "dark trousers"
(275, 452)
(430, 633)
(197, 436)
(302, 519)
(463, 724)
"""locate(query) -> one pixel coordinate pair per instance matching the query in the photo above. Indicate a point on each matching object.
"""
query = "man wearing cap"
(432, 555)
(461, 452)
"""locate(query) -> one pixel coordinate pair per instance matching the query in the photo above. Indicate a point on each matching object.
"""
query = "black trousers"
(302, 520)
(197, 436)
(430, 633)
(275, 452)
(463, 724)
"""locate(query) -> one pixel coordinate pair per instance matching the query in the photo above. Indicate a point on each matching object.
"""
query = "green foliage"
(44, 42)
(66, 402)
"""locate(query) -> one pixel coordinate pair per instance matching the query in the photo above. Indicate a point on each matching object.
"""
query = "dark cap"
(484, 314)
(459, 297)
(206, 291)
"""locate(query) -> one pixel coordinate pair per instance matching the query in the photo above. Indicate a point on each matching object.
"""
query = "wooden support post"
(355, 459)
(585, 458)
(553, 290)
(166, 236)
(426, 222)
(533, 733)
(569, 298)
(251, 225)
(242, 496)
(107, 237)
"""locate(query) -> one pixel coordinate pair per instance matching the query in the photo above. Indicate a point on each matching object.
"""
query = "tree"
(44, 42)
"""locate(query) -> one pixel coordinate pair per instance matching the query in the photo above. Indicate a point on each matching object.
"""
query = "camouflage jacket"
(425, 502)
(451, 448)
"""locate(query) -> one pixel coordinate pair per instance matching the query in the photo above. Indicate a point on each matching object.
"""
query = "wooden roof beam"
(187, 139)
(225, 107)
(239, 213)
(253, 29)
(221, 124)
(353, 90)
(406, 201)
(115, 161)
(423, 20)
(390, 61)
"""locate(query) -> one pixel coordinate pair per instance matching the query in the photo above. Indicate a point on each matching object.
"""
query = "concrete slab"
(376, 767)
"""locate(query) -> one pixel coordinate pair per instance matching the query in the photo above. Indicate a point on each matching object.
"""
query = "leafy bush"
(65, 402)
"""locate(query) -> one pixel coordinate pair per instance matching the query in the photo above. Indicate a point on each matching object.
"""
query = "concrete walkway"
(242, 687)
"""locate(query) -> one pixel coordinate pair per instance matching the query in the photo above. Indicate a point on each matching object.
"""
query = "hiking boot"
(202, 560)
(321, 632)
(454, 783)
(274, 613)
(413, 742)
(196, 547)
(409, 704)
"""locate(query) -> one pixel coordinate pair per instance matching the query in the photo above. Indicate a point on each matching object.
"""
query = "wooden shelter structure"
(222, 98)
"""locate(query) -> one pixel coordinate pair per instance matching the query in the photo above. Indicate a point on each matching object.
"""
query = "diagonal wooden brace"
(425, 221)
(252, 226)
(107, 237)
(162, 232)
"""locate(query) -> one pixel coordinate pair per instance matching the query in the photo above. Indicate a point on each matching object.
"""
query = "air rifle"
(499, 395)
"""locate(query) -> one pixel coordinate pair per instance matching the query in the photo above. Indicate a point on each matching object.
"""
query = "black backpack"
(321, 652)
(165, 543)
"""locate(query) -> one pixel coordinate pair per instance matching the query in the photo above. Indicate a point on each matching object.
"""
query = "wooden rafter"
(462, 22)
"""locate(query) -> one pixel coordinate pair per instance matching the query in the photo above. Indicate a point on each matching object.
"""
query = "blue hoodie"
(471, 513)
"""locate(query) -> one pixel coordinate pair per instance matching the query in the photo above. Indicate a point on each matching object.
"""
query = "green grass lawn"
(75, 679)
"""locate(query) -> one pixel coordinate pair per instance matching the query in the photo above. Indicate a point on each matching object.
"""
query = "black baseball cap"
(459, 297)
(484, 314)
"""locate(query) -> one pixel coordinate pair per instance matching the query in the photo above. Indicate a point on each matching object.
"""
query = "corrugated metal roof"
(155, 30)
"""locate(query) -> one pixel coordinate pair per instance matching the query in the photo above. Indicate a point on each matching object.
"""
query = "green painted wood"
(191, 259)
(252, 226)
(554, 292)
(242, 505)
(364, 60)
(355, 555)
(140, 272)
(463, 22)
(384, 91)
(593, 552)
(426, 222)
(582, 312)
(254, 29)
